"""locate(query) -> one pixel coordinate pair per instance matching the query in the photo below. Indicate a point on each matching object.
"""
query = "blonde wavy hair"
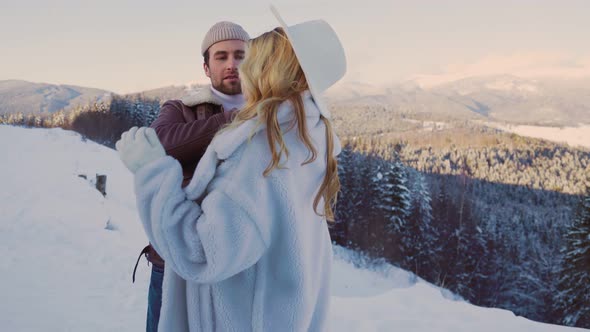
(270, 75)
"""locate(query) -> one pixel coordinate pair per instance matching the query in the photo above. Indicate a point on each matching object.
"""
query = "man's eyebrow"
(240, 52)
(220, 53)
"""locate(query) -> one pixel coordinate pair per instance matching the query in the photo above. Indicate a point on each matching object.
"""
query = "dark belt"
(152, 256)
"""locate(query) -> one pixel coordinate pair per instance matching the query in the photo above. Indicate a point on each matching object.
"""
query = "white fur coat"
(251, 255)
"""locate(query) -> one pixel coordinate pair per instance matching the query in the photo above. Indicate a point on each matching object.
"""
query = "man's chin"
(231, 88)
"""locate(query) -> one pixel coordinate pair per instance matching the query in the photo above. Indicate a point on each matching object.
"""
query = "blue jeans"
(154, 299)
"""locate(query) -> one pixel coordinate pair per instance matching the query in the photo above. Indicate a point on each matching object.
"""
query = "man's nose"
(233, 63)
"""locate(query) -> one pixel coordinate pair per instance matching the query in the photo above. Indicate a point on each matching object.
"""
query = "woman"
(246, 243)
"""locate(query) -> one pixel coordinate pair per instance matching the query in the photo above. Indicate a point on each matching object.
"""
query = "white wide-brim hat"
(320, 55)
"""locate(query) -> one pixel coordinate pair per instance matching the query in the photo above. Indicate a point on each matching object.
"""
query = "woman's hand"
(138, 147)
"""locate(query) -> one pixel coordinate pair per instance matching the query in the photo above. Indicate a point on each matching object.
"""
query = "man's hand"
(138, 147)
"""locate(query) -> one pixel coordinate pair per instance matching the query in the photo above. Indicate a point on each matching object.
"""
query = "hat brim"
(317, 96)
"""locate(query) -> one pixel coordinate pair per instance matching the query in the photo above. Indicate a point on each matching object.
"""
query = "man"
(186, 127)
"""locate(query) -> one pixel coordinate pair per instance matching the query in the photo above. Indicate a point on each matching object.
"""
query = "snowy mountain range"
(29, 98)
(68, 252)
(500, 98)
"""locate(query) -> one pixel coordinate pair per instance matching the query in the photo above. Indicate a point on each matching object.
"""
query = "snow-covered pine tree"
(138, 111)
(441, 214)
(395, 204)
(421, 237)
(365, 193)
(152, 110)
(466, 251)
(469, 243)
(380, 199)
(345, 204)
(118, 107)
(358, 201)
(573, 300)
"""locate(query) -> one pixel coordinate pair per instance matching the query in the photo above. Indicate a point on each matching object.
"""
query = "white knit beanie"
(223, 31)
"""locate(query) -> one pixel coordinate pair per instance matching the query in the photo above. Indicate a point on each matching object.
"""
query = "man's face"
(224, 59)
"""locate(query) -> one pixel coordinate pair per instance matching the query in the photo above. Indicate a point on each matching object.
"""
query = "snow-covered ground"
(63, 269)
(574, 136)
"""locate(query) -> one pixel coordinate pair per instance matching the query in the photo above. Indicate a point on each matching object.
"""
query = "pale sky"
(128, 46)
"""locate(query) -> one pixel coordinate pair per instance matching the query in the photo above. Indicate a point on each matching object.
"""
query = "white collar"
(229, 102)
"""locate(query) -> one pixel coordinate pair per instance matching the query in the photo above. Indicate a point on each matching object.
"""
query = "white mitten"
(138, 147)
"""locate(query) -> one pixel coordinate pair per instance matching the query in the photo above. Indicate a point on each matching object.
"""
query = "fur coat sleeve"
(205, 242)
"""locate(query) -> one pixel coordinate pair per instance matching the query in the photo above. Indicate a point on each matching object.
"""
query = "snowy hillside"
(33, 98)
(67, 254)
(505, 98)
(574, 136)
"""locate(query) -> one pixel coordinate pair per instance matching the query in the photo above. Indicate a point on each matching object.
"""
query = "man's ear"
(206, 69)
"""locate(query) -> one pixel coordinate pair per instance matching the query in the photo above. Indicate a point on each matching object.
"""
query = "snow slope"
(573, 136)
(67, 254)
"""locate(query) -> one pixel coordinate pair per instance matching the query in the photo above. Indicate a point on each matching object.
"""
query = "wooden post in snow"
(101, 184)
